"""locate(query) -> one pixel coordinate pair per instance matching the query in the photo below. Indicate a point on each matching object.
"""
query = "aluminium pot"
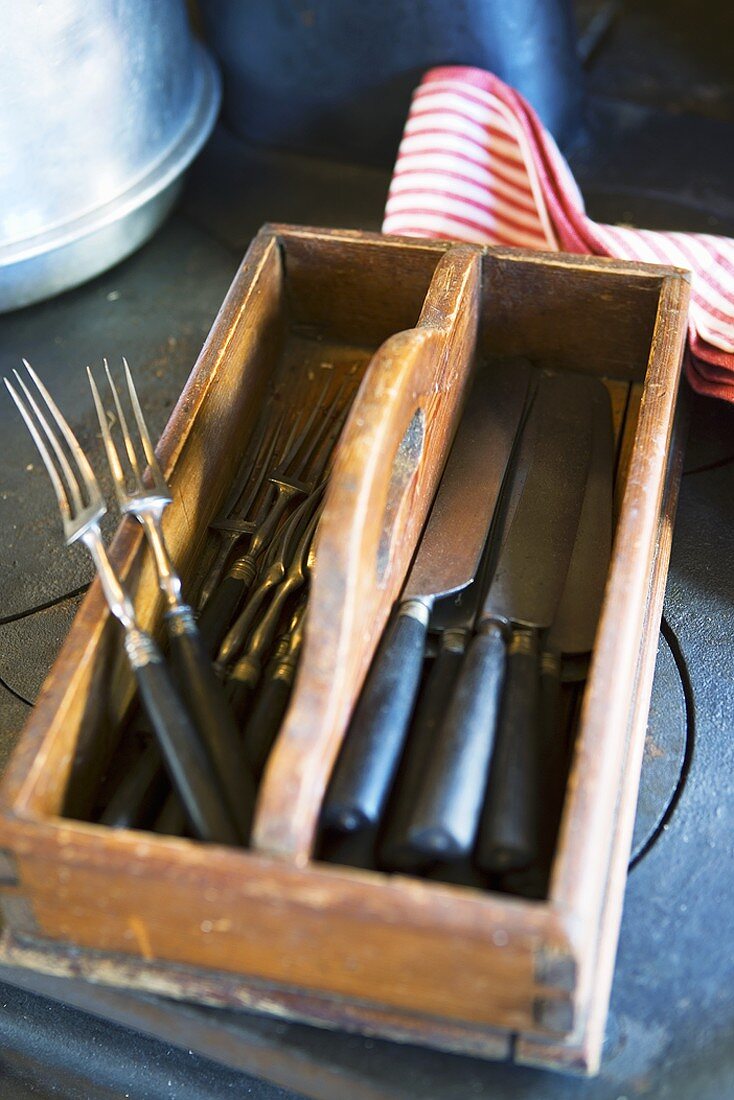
(103, 104)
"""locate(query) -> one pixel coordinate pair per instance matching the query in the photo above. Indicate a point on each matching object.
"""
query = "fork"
(201, 690)
(272, 574)
(306, 454)
(245, 675)
(232, 524)
(82, 506)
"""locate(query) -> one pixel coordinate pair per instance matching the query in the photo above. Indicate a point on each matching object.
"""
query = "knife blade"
(574, 626)
(513, 823)
(573, 630)
(533, 548)
(444, 564)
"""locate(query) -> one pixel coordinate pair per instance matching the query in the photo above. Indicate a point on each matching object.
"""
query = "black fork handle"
(204, 697)
(186, 759)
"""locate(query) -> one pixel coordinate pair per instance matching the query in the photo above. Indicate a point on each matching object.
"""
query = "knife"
(445, 563)
(513, 825)
(535, 541)
(574, 627)
(452, 619)
(396, 853)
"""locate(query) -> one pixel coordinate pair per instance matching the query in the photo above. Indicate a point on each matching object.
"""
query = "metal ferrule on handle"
(180, 621)
(418, 609)
(140, 648)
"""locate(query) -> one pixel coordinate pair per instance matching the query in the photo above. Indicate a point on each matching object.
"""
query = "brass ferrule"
(285, 670)
(244, 569)
(523, 641)
(454, 641)
(550, 662)
(246, 671)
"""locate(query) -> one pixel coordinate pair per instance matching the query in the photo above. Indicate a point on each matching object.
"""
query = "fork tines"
(77, 492)
(130, 475)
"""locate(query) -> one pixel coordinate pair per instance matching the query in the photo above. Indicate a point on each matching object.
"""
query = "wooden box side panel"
(587, 831)
(577, 313)
(581, 1052)
(405, 945)
(47, 969)
(327, 273)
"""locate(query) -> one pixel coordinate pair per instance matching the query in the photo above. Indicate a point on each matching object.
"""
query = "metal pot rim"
(196, 129)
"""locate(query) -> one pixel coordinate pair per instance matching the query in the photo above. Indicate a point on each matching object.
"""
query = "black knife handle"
(204, 697)
(444, 821)
(532, 881)
(220, 610)
(509, 831)
(460, 872)
(369, 756)
(141, 789)
(186, 760)
(396, 851)
(241, 687)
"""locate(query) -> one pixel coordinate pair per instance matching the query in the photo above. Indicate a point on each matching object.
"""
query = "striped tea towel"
(476, 164)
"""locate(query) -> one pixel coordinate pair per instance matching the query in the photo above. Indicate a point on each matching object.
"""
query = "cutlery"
(452, 620)
(229, 524)
(82, 506)
(274, 694)
(514, 826)
(139, 792)
(201, 690)
(575, 623)
(273, 572)
(305, 457)
(533, 546)
(247, 672)
(447, 560)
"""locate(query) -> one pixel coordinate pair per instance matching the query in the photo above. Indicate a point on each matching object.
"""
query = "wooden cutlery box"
(271, 928)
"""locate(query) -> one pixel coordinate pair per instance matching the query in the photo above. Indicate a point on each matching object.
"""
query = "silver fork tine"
(56, 481)
(66, 470)
(126, 437)
(113, 458)
(148, 447)
(86, 471)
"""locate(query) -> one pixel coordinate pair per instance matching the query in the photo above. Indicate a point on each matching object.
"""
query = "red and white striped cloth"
(476, 164)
